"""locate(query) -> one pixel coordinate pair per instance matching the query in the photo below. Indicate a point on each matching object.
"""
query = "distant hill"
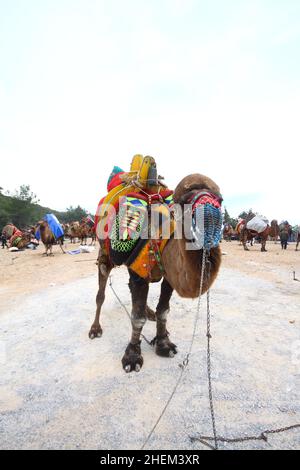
(23, 213)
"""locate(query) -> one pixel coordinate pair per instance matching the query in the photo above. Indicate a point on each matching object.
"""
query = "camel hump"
(195, 181)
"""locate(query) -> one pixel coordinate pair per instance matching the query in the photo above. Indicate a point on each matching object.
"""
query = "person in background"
(3, 240)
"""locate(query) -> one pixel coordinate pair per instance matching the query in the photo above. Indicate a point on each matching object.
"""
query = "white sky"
(203, 86)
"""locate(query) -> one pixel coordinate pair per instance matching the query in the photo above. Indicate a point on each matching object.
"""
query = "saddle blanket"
(257, 224)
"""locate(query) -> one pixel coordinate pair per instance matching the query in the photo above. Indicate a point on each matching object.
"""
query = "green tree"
(24, 194)
(229, 220)
(22, 207)
(75, 213)
(244, 214)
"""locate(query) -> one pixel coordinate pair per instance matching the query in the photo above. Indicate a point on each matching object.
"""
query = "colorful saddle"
(134, 220)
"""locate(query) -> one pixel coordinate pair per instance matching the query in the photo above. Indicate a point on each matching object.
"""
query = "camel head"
(40, 226)
(193, 183)
(200, 199)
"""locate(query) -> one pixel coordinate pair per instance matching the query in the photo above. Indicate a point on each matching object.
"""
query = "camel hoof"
(165, 348)
(95, 332)
(132, 359)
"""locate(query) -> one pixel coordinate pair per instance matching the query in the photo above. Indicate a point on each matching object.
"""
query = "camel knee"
(162, 315)
(138, 319)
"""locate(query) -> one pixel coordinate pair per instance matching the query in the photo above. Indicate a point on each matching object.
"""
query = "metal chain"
(185, 362)
(215, 438)
(261, 437)
(210, 393)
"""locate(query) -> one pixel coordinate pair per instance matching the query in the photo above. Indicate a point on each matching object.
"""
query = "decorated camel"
(51, 233)
(177, 260)
(17, 238)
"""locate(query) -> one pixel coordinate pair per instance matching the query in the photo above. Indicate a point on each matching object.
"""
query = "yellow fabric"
(138, 174)
(136, 163)
(145, 264)
(107, 206)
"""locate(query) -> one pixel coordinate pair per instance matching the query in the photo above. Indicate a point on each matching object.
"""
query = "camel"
(48, 238)
(181, 271)
(274, 231)
(246, 234)
(16, 237)
(74, 231)
(81, 230)
(87, 230)
(228, 232)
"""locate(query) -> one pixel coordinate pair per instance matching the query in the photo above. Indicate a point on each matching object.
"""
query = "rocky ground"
(60, 390)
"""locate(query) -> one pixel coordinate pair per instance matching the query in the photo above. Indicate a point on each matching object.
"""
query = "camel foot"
(132, 359)
(150, 314)
(164, 347)
(95, 332)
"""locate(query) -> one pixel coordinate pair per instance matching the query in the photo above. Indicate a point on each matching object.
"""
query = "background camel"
(81, 230)
(181, 272)
(48, 238)
(87, 226)
(17, 238)
(73, 231)
(248, 235)
(228, 232)
(274, 230)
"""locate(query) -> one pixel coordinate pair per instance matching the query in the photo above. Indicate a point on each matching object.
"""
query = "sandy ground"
(58, 389)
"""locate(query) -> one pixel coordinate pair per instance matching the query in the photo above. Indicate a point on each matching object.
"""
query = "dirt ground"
(28, 271)
(58, 389)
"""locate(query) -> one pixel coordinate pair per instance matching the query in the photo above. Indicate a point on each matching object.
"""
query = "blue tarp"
(54, 225)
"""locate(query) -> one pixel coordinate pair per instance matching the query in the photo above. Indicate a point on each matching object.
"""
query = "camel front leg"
(61, 243)
(139, 288)
(163, 346)
(104, 269)
(244, 240)
(47, 247)
(263, 245)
